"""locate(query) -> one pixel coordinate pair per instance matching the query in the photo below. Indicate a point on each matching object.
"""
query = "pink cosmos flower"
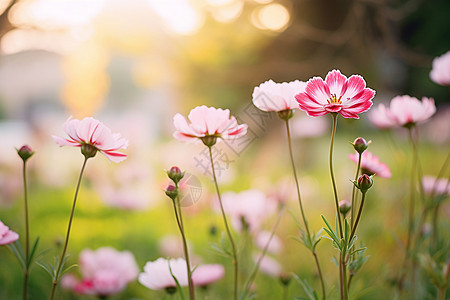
(105, 272)
(7, 236)
(406, 110)
(207, 122)
(157, 276)
(90, 131)
(370, 164)
(336, 94)
(275, 246)
(271, 96)
(380, 117)
(435, 188)
(269, 265)
(440, 73)
(206, 274)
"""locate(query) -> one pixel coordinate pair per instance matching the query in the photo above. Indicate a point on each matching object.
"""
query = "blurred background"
(134, 64)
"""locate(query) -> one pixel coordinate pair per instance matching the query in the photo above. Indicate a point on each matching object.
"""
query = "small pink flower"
(336, 94)
(7, 236)
(157, 275)
(90, 131)
(269, 265)
(207, 122)
(275, 245)
(271, 96)
(380, 117)
(370, 164)
(440, 72)
(105, 272)
(435, 188)
(406, 110)
(206, 274)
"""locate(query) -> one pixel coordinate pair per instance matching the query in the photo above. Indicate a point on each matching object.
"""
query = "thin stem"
(285, 292)
(336, 198)
(358, 217)
(252, 276)
(61, 260)
(230, 237)
(27, 234)
(179, 217)
(353, 208)
(341, 277)
(305, 221)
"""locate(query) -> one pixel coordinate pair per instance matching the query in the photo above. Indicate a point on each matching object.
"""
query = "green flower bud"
(25, 152)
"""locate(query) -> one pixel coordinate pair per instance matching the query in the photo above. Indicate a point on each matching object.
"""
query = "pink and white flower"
(380, 117)
(269, 265)
(157, 274)
(275, 245)
(272, 96)
(204, 275)
(440, 73)
(370, 164)
(435, 187)
(207, 122)
(90, 131)
(336, 94)
(406, 110)
(7, 236)
(105, 272)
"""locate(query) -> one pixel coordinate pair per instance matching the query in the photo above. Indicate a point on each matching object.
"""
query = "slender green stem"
(27, 234)
(341, 277)
(441, 293)
(344, 279)
(305, 221)
(353, 209)
(358, 217)
(230, 237)
(252, 276)
(61, 260)
(336, 198)
(285, 292)
(179, 217)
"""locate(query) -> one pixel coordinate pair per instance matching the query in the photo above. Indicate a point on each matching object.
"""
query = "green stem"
(179, 217)
(441, 293)
(358, 217)
(305, 221)
(353, 209)
(230, 237)
(27, 235)
(336, 198)
(61, 260)
(285, 292)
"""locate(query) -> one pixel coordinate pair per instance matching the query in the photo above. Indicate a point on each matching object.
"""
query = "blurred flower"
(370, 164)
(379, 116)
(262, 238)
(157, 274)
(248, 209)
(171, 246)
(336, 94)
(440, 73)
(434, 187)
(306, 127)
(271, 96)
(92, 135)
(204, 275)
(105, 272)
(344, 207)
(207, 124)
(69, 281)
(7, 236)
(269, 265)
(406, 110)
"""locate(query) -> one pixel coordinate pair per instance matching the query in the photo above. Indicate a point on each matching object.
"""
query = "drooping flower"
(370, 164)
(207, 124)
(204, 275)
(7, 236)
(440, 73)
(379, 116)
(105, 272)
(336, 94)
(407, 111)
(92, 136)
(157, 274)
(435, 187)
(272, 96)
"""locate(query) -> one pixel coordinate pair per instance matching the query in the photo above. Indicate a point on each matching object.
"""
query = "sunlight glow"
(229, 12)
(274, 17)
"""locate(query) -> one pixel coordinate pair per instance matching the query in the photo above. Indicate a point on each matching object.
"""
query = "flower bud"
(344, 207)
(25, 152)
(360, 145)
(88, 150)
(364, 183)
(286, 114)
(175, 174)
(172, 192)
(285, 279)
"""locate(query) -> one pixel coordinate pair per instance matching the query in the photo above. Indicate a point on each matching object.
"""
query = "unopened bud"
(360, 145)
(286, 114)
(172, 192)
(175, 174)
(25, 152)
(285, 279)
(364, 183)
(344, 207)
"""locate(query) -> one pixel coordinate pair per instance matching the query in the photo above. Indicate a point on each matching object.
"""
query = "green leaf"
(176, 281)
(33, 251)
(309, 290)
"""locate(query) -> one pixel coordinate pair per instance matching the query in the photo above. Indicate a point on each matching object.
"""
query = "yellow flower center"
(334, 100)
